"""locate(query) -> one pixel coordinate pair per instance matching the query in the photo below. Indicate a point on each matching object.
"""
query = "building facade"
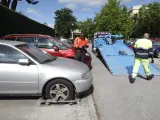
(134, 10)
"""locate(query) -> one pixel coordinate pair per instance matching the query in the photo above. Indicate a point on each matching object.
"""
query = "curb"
(92, 109)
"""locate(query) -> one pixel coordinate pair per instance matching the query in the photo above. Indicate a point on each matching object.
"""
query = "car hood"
(70, 64)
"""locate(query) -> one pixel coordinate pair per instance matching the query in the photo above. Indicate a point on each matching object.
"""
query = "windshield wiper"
(49, 60)
(46, 61)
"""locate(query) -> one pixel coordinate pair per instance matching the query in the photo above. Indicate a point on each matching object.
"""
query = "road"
(117, 99)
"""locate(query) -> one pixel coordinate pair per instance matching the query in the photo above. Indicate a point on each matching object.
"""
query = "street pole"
(72, 31)
(72, 34)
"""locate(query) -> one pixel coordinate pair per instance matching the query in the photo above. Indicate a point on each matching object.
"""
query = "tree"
(148, 20)
(15, 2)
(65, 22)
(114, 18)
(87, 27)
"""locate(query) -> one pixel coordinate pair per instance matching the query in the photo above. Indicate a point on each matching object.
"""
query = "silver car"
(26, 70)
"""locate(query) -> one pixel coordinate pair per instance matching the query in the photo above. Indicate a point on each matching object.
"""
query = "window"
(9, 55)
(10, 39)
(60, 45)
(27, 40)
(45, 43)
(36, 53)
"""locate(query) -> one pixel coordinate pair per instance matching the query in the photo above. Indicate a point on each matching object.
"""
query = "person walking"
(142, 49)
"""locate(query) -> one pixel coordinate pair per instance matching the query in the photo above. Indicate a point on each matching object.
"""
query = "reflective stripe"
(150, 52)
(142, 53)
(134, 75)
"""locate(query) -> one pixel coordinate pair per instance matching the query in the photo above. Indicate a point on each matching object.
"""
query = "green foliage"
(114, 18)
(65, 22)
(87, 27)
(7, 3)
(148, 20)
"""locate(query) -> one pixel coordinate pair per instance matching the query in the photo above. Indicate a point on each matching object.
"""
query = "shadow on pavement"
(101, 59)
(19, 97)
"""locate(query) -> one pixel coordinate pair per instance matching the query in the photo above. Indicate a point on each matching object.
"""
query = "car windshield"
(36, 53)
(66, 42)
(60, 43)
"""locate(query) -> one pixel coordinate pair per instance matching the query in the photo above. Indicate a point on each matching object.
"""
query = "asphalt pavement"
(117, 99)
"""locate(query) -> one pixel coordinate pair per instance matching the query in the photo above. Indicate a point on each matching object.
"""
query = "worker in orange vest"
(82, 43)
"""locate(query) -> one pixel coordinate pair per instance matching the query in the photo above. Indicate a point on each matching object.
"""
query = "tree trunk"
(14, 5)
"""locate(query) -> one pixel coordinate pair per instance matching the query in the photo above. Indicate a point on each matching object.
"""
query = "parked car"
(156, 49)
(51, 45)
(46, 43)
(27, 70)
(67, 41)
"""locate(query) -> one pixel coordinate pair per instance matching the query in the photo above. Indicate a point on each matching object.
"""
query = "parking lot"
(23, 108)
(114, 99)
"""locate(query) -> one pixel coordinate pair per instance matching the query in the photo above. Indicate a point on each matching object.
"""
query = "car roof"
(14, 43)
(27, 35)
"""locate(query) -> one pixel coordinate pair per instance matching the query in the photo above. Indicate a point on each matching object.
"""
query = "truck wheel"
(97, 53)
(92, 48)
(60, 90)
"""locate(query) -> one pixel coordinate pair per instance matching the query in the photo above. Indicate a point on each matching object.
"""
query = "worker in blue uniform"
(142, 49)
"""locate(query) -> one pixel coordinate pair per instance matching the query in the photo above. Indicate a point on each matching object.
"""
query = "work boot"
(150, 77)
(132, 80)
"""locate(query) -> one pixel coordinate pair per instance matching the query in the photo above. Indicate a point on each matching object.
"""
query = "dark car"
(156, 49)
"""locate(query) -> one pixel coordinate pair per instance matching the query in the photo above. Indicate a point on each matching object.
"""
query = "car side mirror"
(23, 61)
(55, 48)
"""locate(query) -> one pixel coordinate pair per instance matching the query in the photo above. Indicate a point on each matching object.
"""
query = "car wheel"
(158, 55)
(60, 90)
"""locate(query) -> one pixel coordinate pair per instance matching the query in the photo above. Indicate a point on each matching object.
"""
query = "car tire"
(59, 89)
(158, 55)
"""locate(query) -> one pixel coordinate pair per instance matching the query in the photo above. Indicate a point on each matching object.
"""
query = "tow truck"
(118, 57)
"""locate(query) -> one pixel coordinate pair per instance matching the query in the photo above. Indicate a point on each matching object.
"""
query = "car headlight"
(85, 75)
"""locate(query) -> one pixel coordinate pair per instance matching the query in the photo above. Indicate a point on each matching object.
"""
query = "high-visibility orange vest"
(79, 42)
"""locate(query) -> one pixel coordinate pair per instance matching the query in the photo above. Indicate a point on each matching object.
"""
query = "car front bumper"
(83, 85)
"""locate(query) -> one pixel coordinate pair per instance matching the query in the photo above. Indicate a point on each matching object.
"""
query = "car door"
(16, 78)
(46, 45)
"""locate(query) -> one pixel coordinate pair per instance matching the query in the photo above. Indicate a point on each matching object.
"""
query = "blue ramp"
(123, 65)
(114, 48)
(119, 58)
